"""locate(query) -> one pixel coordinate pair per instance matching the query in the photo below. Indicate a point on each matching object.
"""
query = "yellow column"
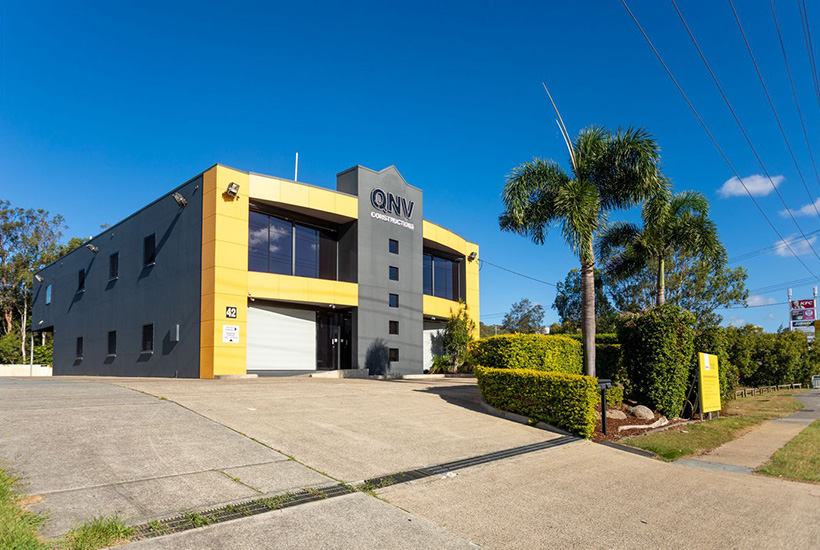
(224, 273)
(471, 284)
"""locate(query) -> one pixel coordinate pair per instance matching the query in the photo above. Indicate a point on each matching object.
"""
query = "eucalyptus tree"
(609, 171)
(673, 226)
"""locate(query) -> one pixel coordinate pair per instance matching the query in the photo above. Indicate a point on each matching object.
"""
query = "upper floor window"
(81, 281)
(394, 300)
(112, 342)
(393, 246)
(80, 347)
(394, 273)
(114, 266)
(440, 277)
(149, 250)
(277, 245)
(48, 294)
(148, 338)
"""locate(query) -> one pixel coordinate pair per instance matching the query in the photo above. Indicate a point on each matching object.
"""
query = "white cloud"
(757, 184)
(771, 316)
(735, 321)
(758, 300)
(805, 210)
(798, 244)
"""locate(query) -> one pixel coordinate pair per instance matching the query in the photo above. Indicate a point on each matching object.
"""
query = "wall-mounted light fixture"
(39, 278)
(92, 248)
(473, 255)
(181, 201)
(232, 190)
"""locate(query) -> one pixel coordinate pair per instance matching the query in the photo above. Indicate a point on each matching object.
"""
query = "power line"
(794, 92)
(517, 273)
(742, 129)
(712, 138)
(740, 306)
(771, 104)
(804, 20)
(765, 250)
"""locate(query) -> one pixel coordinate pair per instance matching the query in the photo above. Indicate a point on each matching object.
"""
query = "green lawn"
(799, 459)
(19, 527)
(737, 417)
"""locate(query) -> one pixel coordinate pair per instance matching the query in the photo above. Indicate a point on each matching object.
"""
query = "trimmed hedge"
(529, 351)
(614, 396)
(563, 400)
(600, 338)
(657, 348)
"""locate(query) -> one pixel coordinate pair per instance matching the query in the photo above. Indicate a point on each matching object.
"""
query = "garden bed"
(612, 425)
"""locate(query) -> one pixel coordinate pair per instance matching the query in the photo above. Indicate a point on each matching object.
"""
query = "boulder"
(644, 413)
(615, 414)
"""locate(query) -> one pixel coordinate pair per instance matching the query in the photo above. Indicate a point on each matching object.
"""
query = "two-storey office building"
(234, 272)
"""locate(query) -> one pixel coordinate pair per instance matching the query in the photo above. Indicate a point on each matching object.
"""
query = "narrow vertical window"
(394, 354)
(149, 250)
(394, 246)
(114, 266)
(148, 338)
(394, 300)
(48, 294)
(394, 327)
(112, 342)
(394, 273)
(81, 281)
(80, 347)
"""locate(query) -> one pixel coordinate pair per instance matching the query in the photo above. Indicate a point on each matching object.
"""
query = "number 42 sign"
(230, 312)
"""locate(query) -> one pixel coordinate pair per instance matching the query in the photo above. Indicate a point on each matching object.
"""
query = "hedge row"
(601, 338)
(563, 400)
(529, 351)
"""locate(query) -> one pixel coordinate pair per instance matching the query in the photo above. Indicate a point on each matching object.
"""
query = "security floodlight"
(472, 256)
(232, 190)
(92, 248)
(181, 201)
(39, 278)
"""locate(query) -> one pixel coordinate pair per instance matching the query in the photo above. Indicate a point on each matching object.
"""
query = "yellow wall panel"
(302, 289)
(228, 229)
(305, 196)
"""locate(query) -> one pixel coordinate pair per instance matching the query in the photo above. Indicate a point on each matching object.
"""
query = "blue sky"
(105, 106)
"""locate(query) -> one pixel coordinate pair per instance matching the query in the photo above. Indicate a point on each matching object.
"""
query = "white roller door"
(281, 338)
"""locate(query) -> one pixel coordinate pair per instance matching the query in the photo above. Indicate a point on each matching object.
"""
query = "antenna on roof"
(296, 168)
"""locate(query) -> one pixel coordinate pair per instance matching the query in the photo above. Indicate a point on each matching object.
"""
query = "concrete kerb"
(520, 419)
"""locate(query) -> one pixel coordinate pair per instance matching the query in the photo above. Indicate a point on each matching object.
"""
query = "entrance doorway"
(334, 331)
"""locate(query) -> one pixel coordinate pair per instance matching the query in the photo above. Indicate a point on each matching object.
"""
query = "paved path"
(747, 453)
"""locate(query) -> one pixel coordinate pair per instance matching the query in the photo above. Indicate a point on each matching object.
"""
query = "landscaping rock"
(662, 421)
(644, 413)
(615, 414)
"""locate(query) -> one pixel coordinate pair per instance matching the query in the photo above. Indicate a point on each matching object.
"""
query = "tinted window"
(280, 246)
(113, 266)
(48, 294)
(443, 278)
(394, 246)
(307, 252)
(394, 327)
(258, 227)
(80, 347)
(148, 338)
(427, 269)
(327, 255)
(394, 354)
(394, 273)
(112, 342)
(81, 280)
(149, 252)
(394, 300)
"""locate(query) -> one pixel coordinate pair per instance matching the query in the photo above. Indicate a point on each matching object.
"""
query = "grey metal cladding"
(373, 316)
(165, 295)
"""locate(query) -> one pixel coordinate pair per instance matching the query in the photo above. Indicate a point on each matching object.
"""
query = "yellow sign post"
(709, 383)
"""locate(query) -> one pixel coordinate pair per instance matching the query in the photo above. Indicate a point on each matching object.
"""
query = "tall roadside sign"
(803, 315)
(709, 383)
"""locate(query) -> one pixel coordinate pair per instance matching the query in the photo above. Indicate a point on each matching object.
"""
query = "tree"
(609, 171)
(672, 224)
(568, 304)
(458, 332)
(524, 317)
(485, 330)
(28, 241)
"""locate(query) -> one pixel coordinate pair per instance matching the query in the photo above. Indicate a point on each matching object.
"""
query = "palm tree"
(610, 170)
(672, 224)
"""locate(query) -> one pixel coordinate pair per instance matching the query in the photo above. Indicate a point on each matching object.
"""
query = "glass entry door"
(333, 335)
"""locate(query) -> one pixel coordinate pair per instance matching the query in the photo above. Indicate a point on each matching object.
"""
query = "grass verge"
(97, 533)
(799, 459)
(737, 417)
(19, 527)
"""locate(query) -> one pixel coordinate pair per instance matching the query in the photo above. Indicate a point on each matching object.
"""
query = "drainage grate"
(386, 481)
(192, 520)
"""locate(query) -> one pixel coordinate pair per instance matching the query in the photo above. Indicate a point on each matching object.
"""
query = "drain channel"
(193, 520)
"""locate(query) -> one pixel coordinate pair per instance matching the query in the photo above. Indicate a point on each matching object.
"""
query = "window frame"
(390, 243)
(390, 297)
(110, 352)
(150, 348)
(393, 327)
(48, 294)
(81, 275)
(79, 349)
(391, 354)
(152, 260)
(391, 270)
(114, 261)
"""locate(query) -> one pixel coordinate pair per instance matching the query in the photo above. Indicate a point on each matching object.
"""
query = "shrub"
(563, 400)
(614, 396)
(657, 348)
(10, 353)
(608, 362)
(528, 351)
(601, 338)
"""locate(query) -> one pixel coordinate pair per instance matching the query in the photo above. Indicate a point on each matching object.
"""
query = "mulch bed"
(613, 424)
